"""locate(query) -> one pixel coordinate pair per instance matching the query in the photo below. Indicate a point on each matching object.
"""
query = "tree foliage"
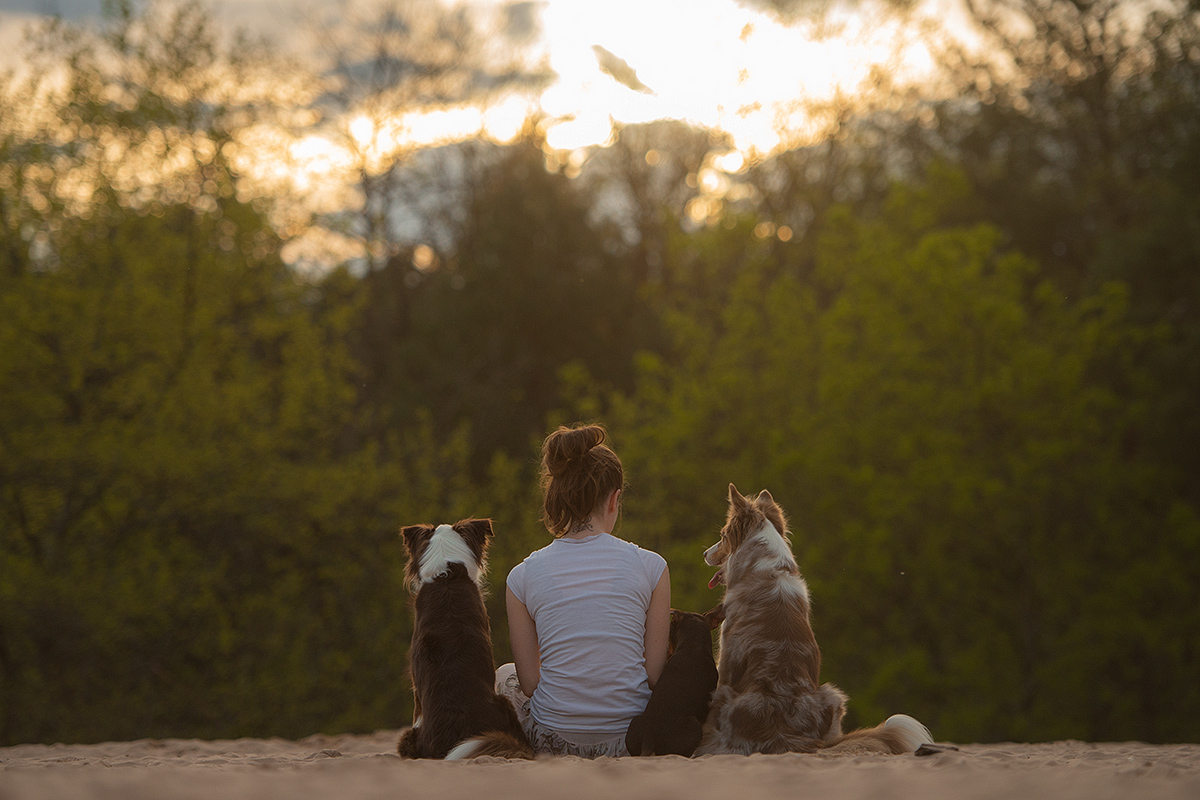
(956, 479)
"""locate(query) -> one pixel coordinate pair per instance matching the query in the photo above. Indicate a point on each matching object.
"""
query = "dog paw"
(408, 745)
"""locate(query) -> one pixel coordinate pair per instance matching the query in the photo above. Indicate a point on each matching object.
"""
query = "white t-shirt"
(588, 599)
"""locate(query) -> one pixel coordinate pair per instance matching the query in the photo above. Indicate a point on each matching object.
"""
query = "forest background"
(957, 338)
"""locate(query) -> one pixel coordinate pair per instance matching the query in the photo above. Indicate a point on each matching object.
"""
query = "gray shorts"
(543, 739)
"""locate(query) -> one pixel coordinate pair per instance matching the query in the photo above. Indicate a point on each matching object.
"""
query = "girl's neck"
(602, 520)
(583, 531)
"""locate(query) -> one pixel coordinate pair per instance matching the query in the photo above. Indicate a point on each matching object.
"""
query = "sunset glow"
(718, 64)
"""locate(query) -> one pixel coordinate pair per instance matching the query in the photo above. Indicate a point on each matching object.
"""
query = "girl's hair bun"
(578, 472)
(567, 445)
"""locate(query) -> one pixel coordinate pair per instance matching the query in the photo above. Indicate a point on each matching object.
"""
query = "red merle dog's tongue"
(717, 578)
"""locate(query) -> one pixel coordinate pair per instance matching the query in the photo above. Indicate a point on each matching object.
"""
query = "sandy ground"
(361, 767)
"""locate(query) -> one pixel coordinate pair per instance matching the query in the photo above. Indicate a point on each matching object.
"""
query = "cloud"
(620, 71)
(522, 21)
(787, 11)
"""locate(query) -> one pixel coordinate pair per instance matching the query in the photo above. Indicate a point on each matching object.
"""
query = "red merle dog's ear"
(736, 501)
(774, 514)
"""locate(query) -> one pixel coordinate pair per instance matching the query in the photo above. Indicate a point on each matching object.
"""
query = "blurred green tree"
(644, 182)
(529, 287)
(1078, 124)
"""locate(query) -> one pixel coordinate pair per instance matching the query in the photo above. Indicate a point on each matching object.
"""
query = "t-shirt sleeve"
(654, 566)
(516, 582)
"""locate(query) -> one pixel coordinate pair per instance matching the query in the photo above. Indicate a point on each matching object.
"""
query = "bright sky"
(720, 63)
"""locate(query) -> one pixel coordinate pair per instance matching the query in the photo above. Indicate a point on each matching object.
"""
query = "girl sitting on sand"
(589, 614)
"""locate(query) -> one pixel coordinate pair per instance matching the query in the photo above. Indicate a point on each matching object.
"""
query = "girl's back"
(588, 598)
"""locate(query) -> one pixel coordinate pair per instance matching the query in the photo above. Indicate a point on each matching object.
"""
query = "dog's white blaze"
(779, 556)
(778, 552)
(709, 553)
(795, 585)
(446, 547)
(464, 750)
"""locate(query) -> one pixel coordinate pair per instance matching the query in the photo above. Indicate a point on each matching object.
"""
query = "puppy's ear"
(715, 616)
(676, 615)
(764, 497)
(412, 533)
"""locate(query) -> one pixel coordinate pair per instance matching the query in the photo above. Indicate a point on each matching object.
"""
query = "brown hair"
(579, 472)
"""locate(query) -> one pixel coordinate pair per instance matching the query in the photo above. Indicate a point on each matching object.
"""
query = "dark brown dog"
(674, 717)
(457, 713)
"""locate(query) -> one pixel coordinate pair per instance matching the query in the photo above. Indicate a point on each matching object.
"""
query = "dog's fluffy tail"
(911, 733)
(497, 744)
(897, 734)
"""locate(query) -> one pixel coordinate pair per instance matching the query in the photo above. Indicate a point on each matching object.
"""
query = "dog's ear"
(677, 617)
(412, 533)
(476, 533)
(480, 527)
(715, 616)
(736, 501)
(773, 512)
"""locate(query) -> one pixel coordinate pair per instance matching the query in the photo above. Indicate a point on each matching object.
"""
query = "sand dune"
(361, 767)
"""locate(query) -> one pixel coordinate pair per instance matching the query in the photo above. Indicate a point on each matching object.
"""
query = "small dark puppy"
(457, 713)
(674, 717)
